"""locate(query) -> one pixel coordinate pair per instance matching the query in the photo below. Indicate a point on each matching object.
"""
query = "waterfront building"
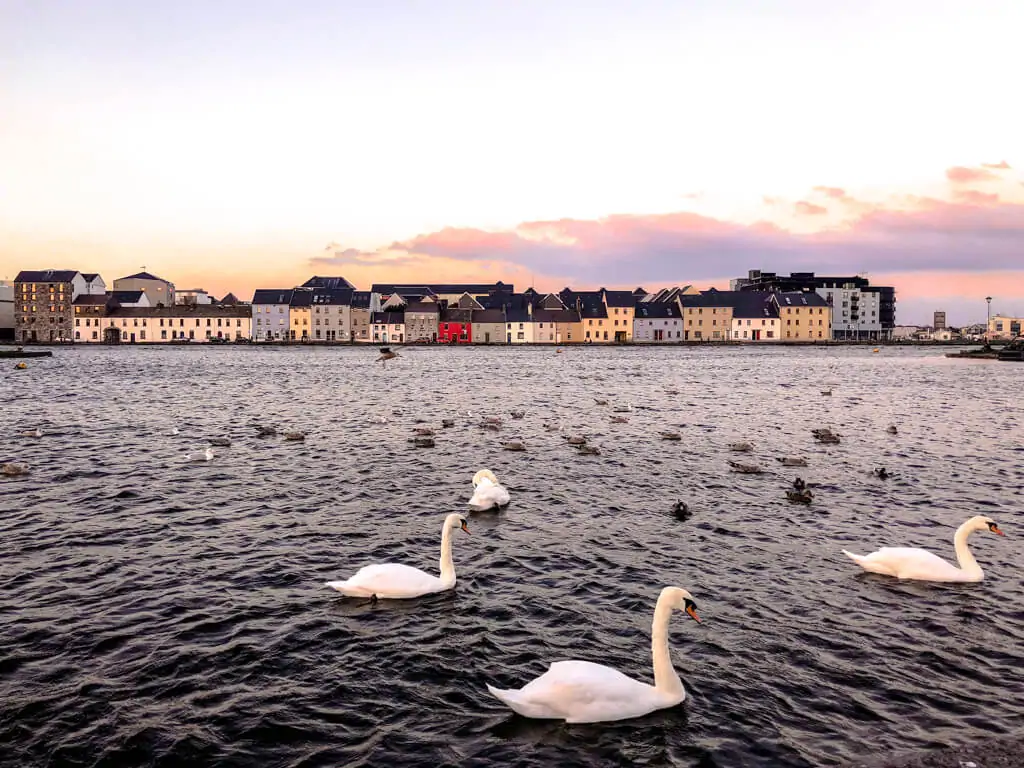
(456, 326)
(447, 292)
(330, 283)
(94, 284)
(331, 314)
(130, 298)
(1004, 327)
(89, 311)
(157, 290)
(192, 296)
(488, 326)
(300, 314)
(421, 320)
(181, 323)
(939, 320)
(43, 301)
(518, 325)
(860, 310)
(364, 303)
(707, 315)
(755, 317)
(620, 306)
(6, 311)
(388, 327)
(605, 316)
(271, 311)
(803, 316)
(657, 322)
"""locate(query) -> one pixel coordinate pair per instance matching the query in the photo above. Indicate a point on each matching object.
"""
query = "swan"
(206, 455)
(488, 492)
(584, 692)
(920, 564)
(396, 581)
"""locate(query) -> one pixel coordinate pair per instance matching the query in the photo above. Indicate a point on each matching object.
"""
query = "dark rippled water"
(155, 612)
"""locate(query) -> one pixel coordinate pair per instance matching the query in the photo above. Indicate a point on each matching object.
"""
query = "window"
(163, 334)
(77, 321)
(78, 336)
(142, 335)
(94, 335)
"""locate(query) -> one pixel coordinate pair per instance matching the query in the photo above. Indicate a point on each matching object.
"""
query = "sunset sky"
(233, 145)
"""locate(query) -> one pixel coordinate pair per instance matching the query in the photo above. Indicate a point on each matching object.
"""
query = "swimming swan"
(488, 493)
(584, 692)
(395, 581)
(920, 564)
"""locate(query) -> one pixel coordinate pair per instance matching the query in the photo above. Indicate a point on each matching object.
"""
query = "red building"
(455, 327)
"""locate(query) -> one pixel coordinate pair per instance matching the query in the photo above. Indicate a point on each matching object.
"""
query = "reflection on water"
(154, 611)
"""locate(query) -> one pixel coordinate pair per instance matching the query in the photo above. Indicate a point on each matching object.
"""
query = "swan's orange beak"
(996, 531)
(693, 613)
(464, 526)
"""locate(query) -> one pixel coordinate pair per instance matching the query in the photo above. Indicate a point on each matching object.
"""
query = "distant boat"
(11, 353)
(1014, 351)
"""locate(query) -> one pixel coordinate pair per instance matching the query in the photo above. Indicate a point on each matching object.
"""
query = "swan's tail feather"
(347, 589)
(859, 559)
(514, 700)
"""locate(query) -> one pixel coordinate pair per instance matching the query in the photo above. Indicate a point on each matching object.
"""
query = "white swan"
(395, 581)
(206, 455)
(584, 692)
(920, 564)
(488, 493)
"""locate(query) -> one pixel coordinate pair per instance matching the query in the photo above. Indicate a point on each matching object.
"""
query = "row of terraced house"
(65, 305)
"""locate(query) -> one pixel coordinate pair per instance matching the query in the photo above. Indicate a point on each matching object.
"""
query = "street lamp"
(988, 320)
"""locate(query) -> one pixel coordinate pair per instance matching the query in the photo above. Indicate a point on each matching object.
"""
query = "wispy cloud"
(1000, 166)
(804, 208)
(962, 175)
(834, 192)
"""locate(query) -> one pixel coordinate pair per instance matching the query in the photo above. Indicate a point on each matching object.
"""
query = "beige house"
(803, 316)
(359, 314)
(707, 316)
(179, 323)
(1004, 327)
(157, 290)
(421, 321)
(488, 326)
(331, 314)
(300, 315)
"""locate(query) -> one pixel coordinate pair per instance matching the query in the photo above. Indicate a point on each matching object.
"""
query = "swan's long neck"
(447, 566)
(665, 678)
(963, 553)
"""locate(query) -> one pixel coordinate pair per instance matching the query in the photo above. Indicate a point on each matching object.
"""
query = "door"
(487, 337)
(133, 338)
(755, 335)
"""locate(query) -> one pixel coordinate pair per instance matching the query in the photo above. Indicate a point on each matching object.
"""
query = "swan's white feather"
(909, 563)
(389, 580)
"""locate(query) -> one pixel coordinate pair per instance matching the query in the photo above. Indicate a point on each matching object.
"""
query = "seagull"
(37, 432)
(514, 445)
(13, 469)
(600, 402)
(223, 442)
(175, 431)
(386, 354)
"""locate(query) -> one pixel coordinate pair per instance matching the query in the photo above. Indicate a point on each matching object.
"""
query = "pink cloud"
(974, 197)
(834, 192)
(962, 175)
(803, 208)
(1000, 166)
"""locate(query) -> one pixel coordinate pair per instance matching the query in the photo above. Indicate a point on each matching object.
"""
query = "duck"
(921, 565)
(891, 429)
(206, 455)
(447, 423)
(295, 437)
(588, 450)
(423, 431)
(826, 436)
(497, 420)
(394, 581)
(37, 432)
(827, 392)
(619, 420)
(600, 402)
(741, 447)
(222, 442)
(14, 469)
(264, 431)
(585, 692)
(488, 493)
(576, 440)
(517, 414)
(551, 426)
(20, 367)
(881, 473)
(670, 436)
(681, 511)
(792, 461)
(514, 445)
(421, 441)
(799, 484)
(803, 496)
(745, 469)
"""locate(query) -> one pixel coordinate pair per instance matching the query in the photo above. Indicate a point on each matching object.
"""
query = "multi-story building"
(364, 303)
(938, 320)
(860, 310)
(1004, 327)
(803, 316)
(456, 326)
(181, 323)
(192, 296)
(488, 326)
(300, 314)
(42, 304)
(157, 290)
(620, 306)
(331, 314)
(421, 321)
(388, 327)
(707, 315)
(448, 292)
(6, 311)
(90, 310)
(657, 321)
(271, 314)
(755, 317)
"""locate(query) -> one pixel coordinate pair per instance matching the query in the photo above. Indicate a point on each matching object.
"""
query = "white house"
(271, 318)
(331, 314)
(388, 327)
(657, 321)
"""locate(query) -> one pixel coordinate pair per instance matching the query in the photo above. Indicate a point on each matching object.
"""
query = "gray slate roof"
(46, 276)
(272, 296)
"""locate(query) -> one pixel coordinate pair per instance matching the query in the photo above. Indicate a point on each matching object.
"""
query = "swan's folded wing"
(488, 495)
(394, 579)
(572, 685)
(913, 562)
